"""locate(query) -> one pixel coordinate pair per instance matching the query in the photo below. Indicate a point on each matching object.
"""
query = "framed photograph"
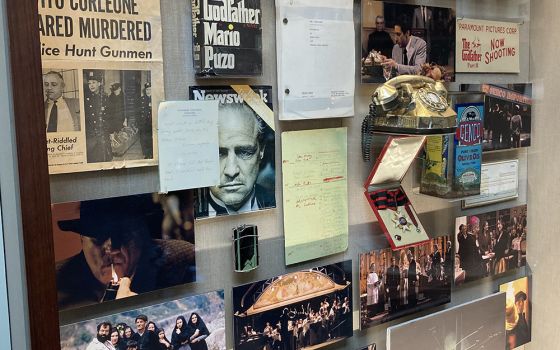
(518, 312)
(195, 322)
(400, 39)
(477, 325)
(114, 248)
(490, 243)
(398, 283)
(309, 308)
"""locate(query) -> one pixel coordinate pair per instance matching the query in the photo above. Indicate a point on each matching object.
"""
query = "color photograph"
(113, 248)
(307, 309)
(398, 283)
(490, 243)
(518, 312)
(477, 325)
(507, 121)
(399, 39)
(194, 323)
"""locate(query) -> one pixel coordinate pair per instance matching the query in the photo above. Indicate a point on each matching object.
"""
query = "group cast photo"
(399, 39)
(302, 310)
(113, 248)
(398, 283)
(491, 243)
(192, 323)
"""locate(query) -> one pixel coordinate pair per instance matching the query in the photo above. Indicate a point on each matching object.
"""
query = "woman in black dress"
(180, 335)
(197, 332)
(164, 343)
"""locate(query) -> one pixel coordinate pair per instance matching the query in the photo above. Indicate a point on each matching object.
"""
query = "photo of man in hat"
(98, 143)
(122, 249)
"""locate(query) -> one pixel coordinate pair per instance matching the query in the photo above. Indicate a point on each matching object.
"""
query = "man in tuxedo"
(61, 114)
(409, 53)
(412, 280)
(393, 285)
(380, 40)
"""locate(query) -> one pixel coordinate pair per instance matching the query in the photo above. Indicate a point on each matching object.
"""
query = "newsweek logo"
(469, 131)
(472, 50)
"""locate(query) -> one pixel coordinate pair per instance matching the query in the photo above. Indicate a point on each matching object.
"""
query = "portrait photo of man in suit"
(409, 52)
(62, 114)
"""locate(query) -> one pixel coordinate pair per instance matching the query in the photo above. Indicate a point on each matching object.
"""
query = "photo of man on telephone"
(423, 41)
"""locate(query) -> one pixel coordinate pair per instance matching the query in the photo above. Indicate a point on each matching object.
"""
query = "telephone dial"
(408, 104)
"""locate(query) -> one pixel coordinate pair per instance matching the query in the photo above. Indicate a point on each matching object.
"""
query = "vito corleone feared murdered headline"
(65, 25)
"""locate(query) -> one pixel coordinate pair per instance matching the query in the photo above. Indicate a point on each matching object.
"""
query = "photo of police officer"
(118, 115)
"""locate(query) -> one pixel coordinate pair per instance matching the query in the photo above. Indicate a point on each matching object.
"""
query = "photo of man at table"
(491, 243)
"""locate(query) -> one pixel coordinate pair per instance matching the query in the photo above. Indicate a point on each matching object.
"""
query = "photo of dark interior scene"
(113, 248)
(301, 310)
(399, 39)
(507, 122)
(397, 283)
(491, 243)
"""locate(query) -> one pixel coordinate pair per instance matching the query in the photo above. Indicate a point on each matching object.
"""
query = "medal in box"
(384, 192)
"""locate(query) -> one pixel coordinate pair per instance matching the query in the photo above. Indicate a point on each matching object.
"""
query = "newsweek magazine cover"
(227, 37)
(246, 151)
(102, 82)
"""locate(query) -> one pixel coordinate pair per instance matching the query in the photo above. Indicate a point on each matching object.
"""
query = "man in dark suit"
(409, 53)
(412, 280)
(436, 262)
(380, 40)
(61, 114)
(98, 143)
(448, 261)
(393, 285)
(521, 330)
(241, 150)
(467, 253)
(147, 340)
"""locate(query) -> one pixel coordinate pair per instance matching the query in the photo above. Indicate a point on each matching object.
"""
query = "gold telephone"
(408, 104)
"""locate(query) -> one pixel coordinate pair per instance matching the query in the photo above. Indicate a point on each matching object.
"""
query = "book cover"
(227, 37)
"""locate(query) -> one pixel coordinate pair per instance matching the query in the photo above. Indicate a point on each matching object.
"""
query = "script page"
(314, 173)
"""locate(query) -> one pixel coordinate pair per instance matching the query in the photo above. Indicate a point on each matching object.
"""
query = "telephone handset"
(408, 104)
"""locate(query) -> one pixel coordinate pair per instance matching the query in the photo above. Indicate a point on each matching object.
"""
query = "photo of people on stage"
(400, 39)
(507, 120)
(398, 283)
(491, 243)
(192, 323)
(302, 310)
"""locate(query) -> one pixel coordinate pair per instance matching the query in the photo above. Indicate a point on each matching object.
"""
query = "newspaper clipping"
(102, 82)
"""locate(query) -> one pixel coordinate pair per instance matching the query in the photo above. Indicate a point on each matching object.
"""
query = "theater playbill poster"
(102, 82)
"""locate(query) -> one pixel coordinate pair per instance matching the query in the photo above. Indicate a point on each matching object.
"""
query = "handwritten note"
(188, 145)
(314, 173)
